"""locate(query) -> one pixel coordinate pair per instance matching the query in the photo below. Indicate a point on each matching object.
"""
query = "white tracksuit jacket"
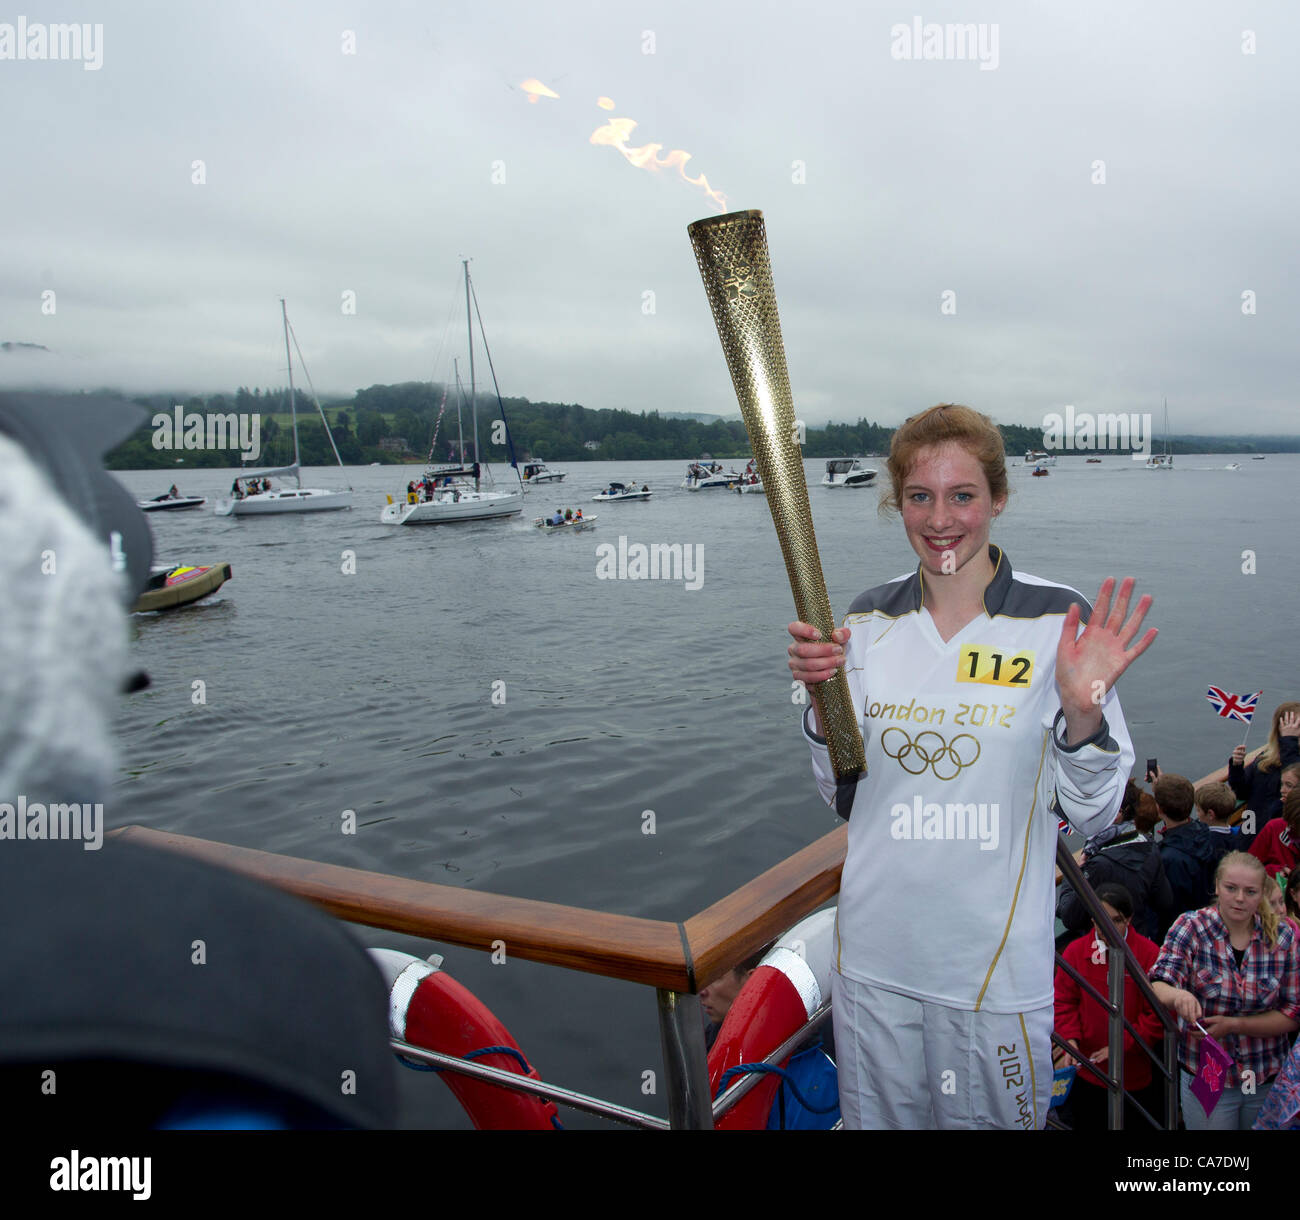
(947, 893)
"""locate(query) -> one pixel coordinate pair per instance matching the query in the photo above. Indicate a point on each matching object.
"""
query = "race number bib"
(991, 666)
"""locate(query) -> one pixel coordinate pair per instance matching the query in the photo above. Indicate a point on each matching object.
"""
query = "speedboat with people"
(624, 491)
(170, 501)
(708, 475)
(572, 522)
(848, 472)
(750, 483)
(1040, 457)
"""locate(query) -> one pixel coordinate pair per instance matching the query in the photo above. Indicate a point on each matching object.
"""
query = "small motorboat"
(1041, 472)
(708, 475)
(574, 525)
(180, 585)
(623, 491)
(848, 472)
(538, 472)
(1093, 461)
(170, 501)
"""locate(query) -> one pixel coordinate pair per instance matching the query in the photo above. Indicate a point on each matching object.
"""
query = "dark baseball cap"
(67, 435)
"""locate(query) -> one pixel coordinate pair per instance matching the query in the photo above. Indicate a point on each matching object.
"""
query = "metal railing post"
(1115, 1093)
(681, 1031)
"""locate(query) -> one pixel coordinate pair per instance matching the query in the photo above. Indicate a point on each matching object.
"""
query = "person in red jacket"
(1083, 1023)
(1277, 846)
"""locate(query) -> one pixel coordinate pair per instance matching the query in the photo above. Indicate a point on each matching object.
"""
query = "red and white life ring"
(787, 987)
(430, 1009)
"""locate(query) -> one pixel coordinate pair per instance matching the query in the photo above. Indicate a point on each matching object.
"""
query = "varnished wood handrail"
(649, 951)
(619, 946)
(746, 919)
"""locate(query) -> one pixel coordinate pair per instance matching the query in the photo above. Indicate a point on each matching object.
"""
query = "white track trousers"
(907, 1064)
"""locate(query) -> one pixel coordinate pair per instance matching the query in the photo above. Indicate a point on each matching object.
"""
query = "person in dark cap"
(140, 988)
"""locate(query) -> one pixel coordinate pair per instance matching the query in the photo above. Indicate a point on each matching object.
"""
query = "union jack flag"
(1236, 707)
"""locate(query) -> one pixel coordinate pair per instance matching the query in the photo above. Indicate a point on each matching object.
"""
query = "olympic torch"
(732, 253)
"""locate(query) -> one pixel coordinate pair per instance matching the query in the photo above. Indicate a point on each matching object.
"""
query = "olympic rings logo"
(931, 750)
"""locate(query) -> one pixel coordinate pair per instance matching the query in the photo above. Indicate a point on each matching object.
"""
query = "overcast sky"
(886, 182)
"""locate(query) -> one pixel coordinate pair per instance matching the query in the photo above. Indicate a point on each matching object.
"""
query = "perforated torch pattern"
(732, 253)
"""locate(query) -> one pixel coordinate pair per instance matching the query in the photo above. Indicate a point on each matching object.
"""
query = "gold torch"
(732, 253)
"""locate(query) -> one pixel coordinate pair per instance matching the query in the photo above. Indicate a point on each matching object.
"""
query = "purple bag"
(1212, 1075)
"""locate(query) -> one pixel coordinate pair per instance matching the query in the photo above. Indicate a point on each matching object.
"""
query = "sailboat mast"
(460, 424)
(293, 405)
(473, 401)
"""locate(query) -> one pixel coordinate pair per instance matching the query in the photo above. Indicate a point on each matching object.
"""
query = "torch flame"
(616, 132)
(535, 89)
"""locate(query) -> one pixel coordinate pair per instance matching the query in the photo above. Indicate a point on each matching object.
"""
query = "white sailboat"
(254, 494)
(449, 494)
(1165, 460)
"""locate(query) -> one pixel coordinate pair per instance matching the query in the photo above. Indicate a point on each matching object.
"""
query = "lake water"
(329, 690)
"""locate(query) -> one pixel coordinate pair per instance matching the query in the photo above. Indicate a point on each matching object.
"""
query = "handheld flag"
(1212, 1075)
(1235, 707)
(1062, 1080)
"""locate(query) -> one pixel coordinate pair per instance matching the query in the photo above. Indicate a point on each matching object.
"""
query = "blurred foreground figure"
(141, 989)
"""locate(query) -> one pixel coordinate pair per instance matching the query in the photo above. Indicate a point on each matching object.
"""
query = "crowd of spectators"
(1203, 886)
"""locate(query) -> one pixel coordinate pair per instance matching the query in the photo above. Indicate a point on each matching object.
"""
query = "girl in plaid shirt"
(1234, 969)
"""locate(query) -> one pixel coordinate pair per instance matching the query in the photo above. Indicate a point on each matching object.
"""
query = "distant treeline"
(395, 423)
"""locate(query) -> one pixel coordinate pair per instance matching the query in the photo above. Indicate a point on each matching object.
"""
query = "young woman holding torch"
(987, 712)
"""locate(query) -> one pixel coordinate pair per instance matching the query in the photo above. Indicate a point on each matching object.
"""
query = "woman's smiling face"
(948, 508)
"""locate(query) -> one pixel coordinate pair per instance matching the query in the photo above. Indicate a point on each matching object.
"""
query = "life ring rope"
(772, 1070)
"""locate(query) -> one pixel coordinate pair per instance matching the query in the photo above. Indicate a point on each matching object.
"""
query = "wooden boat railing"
(677, 959)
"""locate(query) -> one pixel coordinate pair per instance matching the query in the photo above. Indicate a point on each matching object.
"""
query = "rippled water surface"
(373, 691)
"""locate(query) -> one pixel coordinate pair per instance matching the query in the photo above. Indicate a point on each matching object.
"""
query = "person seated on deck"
(578, 515)
(236, 491)
(173, 493)
(1216, 804)
(1258, 783)
(645, 486)
(1277, 846)
(557, 519)
(568, 514)
(812, 1063)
